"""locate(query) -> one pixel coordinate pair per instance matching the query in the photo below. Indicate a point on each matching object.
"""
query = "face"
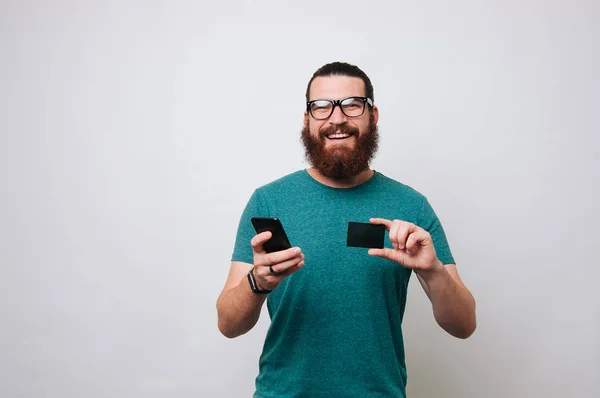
(340, 147)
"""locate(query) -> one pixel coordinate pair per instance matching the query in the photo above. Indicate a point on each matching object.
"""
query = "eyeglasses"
(351, 107)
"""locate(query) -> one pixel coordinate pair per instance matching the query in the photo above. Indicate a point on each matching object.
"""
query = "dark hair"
(342, 69)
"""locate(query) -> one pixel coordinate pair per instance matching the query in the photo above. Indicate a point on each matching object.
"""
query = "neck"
(345, 183)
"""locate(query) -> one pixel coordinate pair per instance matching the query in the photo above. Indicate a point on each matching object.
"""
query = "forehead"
(336, 87)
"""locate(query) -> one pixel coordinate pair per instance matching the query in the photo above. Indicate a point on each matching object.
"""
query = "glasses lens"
(353, 107)
(320, 109)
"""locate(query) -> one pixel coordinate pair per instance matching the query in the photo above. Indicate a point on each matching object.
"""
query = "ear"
(306, 118)
(375, 114)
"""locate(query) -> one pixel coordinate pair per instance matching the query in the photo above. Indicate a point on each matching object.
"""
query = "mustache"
(344, 129)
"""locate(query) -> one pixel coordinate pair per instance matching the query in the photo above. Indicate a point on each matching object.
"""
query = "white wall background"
(130, 142)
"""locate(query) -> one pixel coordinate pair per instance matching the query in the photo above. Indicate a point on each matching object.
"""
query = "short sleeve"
(242, 250)
(429, 221)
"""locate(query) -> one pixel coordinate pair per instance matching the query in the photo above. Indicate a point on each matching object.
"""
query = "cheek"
(363, 127)
(315, 128)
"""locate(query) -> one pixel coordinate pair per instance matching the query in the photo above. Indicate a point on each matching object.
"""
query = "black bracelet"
(253, 286)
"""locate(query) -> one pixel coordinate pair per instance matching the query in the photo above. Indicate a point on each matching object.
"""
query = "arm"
(238, 307)
(453, 305)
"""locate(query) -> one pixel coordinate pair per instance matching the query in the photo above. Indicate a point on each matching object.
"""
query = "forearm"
(453, 305)
(238, 309)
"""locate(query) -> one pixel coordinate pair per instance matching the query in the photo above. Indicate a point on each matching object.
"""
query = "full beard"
(341, 163)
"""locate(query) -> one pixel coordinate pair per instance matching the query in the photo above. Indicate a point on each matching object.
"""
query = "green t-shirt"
(336, 323)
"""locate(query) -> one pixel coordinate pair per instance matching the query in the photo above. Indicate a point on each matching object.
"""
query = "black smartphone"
(365, 235)
(279, 240)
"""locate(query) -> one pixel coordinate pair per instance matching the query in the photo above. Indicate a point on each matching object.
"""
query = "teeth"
(337, 136)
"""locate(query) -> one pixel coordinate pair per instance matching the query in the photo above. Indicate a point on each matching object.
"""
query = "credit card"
(365, 235)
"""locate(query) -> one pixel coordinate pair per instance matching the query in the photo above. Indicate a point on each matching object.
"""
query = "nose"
(337, 116)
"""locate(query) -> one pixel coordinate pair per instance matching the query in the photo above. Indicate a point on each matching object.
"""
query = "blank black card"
(365, 235)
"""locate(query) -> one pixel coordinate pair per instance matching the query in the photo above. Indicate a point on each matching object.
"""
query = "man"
(336, 311)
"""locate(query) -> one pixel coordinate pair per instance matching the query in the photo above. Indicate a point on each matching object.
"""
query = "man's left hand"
(412, 246)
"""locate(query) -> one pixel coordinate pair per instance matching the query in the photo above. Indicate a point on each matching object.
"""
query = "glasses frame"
(365, 100)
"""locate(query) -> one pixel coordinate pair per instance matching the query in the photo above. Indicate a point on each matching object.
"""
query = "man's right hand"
(271, 268)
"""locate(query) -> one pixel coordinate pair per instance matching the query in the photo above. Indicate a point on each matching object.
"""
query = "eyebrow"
(337, 99)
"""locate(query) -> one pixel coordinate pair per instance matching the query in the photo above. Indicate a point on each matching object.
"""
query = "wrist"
(434, 271)
(254, 286)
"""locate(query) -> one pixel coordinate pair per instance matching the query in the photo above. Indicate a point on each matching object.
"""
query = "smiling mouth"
(338, 136)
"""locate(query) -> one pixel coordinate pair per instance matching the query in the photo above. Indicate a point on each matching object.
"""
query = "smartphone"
(365, 235)
(279, 240)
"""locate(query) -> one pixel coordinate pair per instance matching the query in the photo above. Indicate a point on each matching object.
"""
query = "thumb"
(383, 253)
(258, 240)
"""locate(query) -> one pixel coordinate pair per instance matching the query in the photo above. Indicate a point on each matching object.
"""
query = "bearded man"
(336, 310)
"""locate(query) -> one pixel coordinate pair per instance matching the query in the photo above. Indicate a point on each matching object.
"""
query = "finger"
(281, 267)
(412, 242)
(382, 221)
(281, 256)
(285, 267)
(258, 241)
(406, 228)
(293, 269)
(418, 238)
(387, 253)
(263, 273)
(394, 233)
